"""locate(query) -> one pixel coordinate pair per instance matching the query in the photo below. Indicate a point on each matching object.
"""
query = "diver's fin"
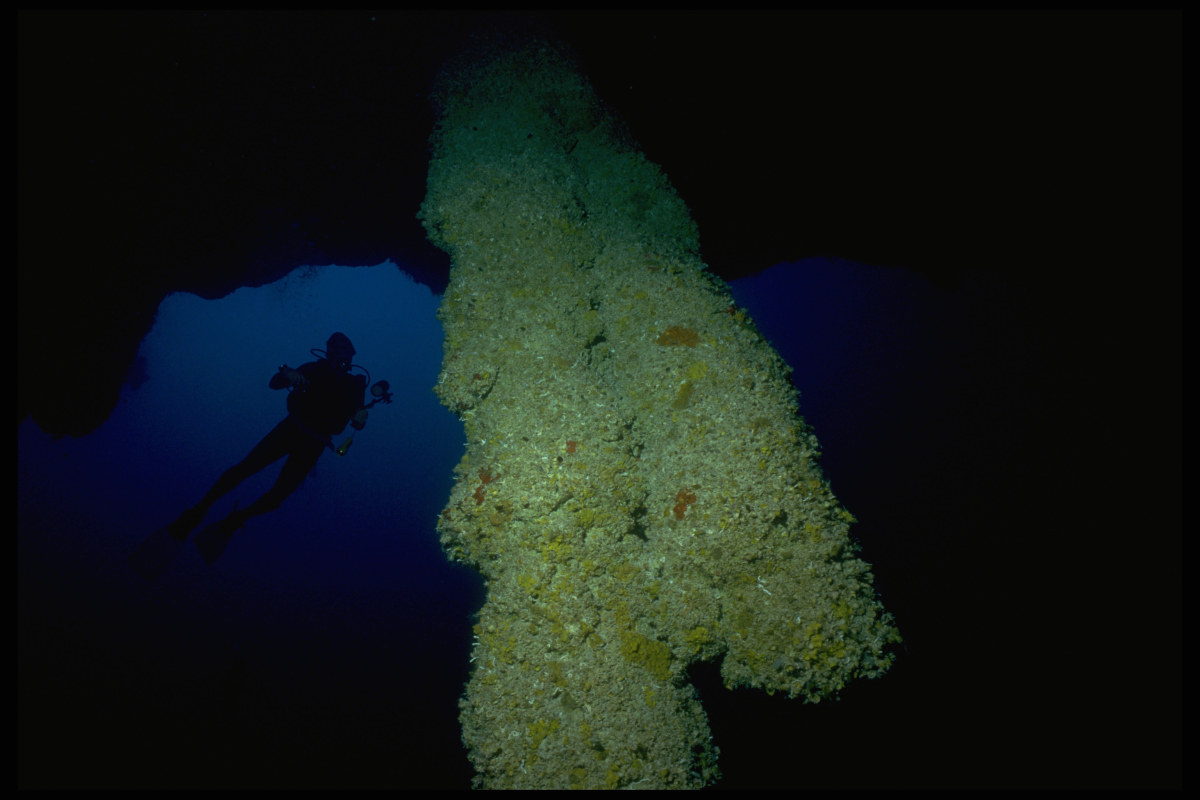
(155, 554)
(212, 540)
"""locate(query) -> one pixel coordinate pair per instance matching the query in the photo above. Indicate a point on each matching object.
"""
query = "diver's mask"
(339, 351)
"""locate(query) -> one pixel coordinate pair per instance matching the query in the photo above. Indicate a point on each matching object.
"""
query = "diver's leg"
(304, 454)
(274, 446)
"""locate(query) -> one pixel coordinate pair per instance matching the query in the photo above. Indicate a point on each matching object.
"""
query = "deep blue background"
(352, 624)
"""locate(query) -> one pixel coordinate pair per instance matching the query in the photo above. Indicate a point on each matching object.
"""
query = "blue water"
(346, 613)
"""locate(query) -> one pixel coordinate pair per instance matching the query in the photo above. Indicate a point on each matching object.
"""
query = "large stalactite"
(638, 489)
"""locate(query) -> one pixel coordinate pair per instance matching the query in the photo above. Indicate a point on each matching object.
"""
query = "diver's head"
(339, 351)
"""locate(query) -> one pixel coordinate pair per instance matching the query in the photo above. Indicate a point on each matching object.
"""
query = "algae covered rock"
(638, 490)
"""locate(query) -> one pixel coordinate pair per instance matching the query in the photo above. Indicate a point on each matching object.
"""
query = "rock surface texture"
(638, 489)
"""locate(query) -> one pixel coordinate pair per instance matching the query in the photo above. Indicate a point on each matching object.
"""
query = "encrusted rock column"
(638, 489)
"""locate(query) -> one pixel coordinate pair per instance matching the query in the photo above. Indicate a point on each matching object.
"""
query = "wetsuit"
(316, 411)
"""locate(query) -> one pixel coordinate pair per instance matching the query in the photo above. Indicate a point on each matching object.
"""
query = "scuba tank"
(381, 391)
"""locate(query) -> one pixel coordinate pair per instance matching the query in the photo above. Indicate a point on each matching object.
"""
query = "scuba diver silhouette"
(323, 397)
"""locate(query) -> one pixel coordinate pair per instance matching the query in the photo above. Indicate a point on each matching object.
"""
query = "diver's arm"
(285, 377)
(359, 418)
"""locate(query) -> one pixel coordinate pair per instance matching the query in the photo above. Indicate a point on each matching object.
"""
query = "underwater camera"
(381, 394)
